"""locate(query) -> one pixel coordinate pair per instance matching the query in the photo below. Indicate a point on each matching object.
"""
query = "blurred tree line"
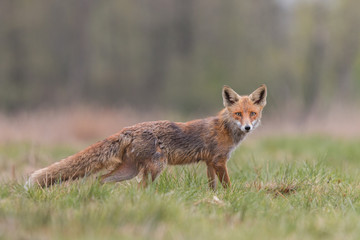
(176, 54)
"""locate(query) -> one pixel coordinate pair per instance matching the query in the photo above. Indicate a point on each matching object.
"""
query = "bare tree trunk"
(79, 70)
(348, 49)
(314, 62)
(184, 26)
(17, 49)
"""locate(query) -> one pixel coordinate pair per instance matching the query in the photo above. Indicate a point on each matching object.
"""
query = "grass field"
(283, 188)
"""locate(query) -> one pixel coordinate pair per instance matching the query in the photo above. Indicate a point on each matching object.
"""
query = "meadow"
(282, 188)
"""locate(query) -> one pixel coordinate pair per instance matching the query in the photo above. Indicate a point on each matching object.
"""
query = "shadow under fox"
(148, 147)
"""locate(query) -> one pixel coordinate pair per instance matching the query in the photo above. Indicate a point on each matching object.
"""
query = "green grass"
(283, 188)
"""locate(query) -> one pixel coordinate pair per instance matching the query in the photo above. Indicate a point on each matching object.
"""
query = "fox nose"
(247, 128)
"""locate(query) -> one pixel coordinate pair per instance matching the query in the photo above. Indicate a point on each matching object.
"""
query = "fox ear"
(259, 96)
(229, 96)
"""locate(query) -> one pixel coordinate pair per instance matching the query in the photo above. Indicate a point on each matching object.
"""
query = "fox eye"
(238, 114)
(253, 114)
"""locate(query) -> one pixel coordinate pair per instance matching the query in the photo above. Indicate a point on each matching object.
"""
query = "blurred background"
(80, 70)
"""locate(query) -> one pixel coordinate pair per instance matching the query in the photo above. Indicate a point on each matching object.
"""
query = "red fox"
(148, 147)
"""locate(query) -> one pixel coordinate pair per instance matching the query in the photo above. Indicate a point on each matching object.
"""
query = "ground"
(282, 188)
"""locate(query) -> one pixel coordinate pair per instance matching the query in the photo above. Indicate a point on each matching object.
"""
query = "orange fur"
(148, 147)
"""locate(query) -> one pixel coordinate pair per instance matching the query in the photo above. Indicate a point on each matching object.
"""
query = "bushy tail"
(94, 158)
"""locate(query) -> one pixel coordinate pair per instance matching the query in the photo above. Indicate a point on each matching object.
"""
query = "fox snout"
(248, 127)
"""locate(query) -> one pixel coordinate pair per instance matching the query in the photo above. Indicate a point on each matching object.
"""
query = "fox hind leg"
(124, 172)
(150, 174)
(154, 167)
(151, 163)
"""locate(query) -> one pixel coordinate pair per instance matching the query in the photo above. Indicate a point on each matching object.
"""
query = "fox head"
(245, 111)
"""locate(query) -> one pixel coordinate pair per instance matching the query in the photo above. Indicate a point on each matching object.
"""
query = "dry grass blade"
(278, 189)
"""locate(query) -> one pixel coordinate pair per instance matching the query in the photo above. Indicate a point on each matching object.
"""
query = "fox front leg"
(222, 173)
(211, 176)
